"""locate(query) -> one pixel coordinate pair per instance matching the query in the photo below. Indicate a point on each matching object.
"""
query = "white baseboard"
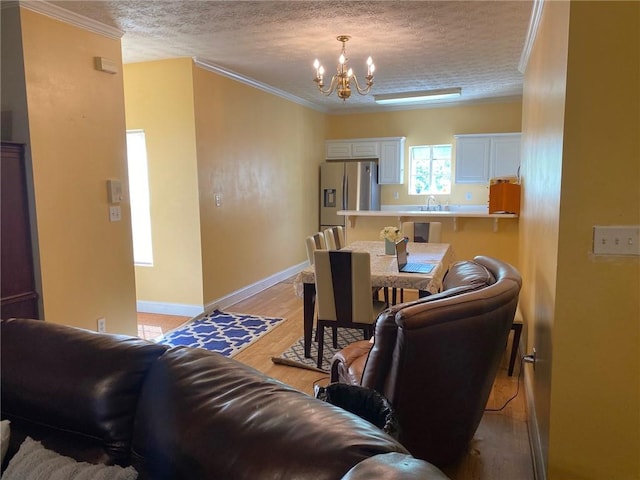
(248, 291)
(220, 303)
(539, 470)
(169, 308)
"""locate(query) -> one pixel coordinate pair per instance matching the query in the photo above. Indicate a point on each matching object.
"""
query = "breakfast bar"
(404, 214)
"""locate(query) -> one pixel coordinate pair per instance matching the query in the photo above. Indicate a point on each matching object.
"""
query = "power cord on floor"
(320, 379)
(522, 360)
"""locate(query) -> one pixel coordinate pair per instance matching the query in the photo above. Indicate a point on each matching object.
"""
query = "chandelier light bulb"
(321, 70)
(316, 64)
(350, 73)
(369, 61)
(341, 60)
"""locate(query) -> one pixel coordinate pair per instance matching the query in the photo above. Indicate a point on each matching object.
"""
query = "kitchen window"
(430, 170)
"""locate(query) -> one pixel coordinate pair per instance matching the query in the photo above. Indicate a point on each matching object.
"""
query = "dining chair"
(419, 232)
(343, 294)
(422, 232)
(314, 242)
(334, 238)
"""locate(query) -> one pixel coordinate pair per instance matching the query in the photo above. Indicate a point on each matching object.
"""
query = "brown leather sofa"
(180, 413)
(436, 359)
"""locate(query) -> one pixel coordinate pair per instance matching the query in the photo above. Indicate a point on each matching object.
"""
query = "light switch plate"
(616, 240)
(114, 191)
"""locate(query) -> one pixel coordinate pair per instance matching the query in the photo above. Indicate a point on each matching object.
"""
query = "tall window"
(430, 170)
(139, 193)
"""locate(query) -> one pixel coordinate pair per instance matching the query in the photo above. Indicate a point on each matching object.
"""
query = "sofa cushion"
(393, 466)
(91, 383)
(223, 419)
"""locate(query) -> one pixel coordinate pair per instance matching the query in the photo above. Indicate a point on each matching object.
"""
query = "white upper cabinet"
(505, 156)
(391, 166)
(481, 157)
(365, 149)
(338, 150)
(472, 159)
(389, 151)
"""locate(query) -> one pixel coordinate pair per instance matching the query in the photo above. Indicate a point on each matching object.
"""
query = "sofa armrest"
(74, 390)
(347, 365)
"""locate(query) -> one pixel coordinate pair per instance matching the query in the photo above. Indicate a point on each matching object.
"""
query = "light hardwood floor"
(500, 448)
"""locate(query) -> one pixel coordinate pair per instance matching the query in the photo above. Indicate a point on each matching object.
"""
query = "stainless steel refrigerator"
(347, 185)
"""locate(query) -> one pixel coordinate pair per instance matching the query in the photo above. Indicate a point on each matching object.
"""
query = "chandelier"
(341, 81)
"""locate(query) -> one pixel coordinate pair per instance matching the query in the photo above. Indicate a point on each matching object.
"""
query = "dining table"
(384, 274)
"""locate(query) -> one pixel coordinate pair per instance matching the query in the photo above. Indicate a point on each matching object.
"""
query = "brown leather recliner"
(436, 359)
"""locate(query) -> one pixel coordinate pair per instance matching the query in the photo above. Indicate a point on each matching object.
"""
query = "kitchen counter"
(403, 213)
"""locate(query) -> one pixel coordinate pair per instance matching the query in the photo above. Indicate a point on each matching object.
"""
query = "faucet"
(430, 199)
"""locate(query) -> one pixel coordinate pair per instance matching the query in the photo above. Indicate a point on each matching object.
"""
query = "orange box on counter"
(504, 197)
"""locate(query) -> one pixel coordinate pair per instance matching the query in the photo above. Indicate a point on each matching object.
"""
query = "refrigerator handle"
(345, 191)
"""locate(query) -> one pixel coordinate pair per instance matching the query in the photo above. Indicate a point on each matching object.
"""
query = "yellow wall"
(262, 153)
(597, 317)
(541, 171)
(438, 126)
(159, 100)
(583, 311)
(77, 141)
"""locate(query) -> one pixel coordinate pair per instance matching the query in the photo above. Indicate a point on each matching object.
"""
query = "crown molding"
(58, 13)
(212, 67)
(534, 24)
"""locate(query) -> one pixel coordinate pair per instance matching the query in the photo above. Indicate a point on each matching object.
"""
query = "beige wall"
(77, 141)
(159, 100)
(262, 154)
(583, 312)
(438, 126)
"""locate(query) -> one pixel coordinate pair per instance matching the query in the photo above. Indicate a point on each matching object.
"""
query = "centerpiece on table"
(390, 235)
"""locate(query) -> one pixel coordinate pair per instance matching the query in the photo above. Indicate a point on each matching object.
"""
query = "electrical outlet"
(218, 199)
(102, 325)
(115, 213)
(616, 240)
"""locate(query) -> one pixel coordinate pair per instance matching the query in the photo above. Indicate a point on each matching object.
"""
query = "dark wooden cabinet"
(18, 291)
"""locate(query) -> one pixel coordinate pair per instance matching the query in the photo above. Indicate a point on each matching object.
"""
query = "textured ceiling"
(416, 45)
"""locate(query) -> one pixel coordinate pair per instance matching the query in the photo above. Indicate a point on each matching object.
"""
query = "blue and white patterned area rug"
(294, 355)
(224, 332)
